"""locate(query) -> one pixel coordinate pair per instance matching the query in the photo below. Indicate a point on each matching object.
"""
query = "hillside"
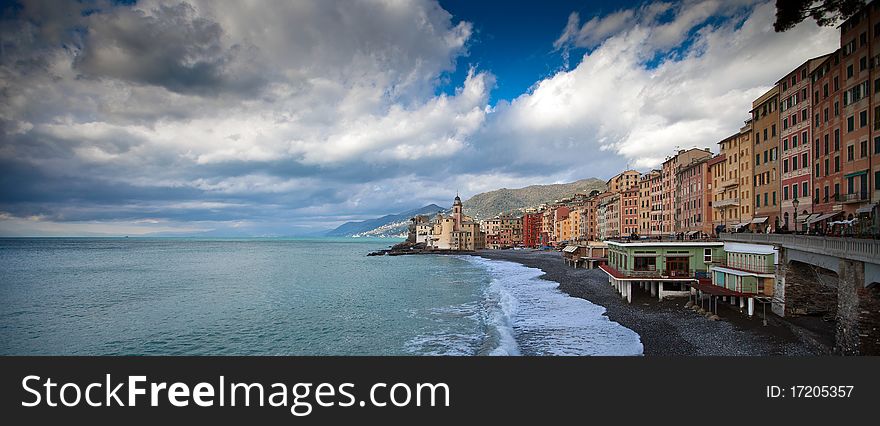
(392, 225)
(492, 203)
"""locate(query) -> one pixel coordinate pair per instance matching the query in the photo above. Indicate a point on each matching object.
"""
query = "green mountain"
(504, 200)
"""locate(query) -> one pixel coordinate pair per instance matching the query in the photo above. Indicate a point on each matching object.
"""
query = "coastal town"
(781, 216)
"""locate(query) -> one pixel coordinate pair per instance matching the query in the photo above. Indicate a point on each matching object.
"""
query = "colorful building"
(765, 119)
(665, 268)
(747, 272)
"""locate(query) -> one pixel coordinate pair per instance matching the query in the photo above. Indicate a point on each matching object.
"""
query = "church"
(455, 231)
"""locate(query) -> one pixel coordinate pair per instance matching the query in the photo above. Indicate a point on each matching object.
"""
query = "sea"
(274, 296)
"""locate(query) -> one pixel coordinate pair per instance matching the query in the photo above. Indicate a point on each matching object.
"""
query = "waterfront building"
(588, 255)
(531, 229)
(742, 151)
(645, 203)
(629, 211)
(623, 181)
(670, 205)
(609, 208)
(798, 118)
(765, 119)
(665, 268)
(656, 206)
(746, 272)
(723, 192)
(827, 98)
(455, 231)
(692, 195)
(860, 114)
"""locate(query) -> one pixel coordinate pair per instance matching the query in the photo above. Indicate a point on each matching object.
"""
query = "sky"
(254, 118)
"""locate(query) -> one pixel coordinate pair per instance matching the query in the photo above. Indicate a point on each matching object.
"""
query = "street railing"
(865, 250)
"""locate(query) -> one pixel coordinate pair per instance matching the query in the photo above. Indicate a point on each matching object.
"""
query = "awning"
(854, 174)
(824, 216)
(570, 249)
(759, 220)
(865, 209)
(807, 217)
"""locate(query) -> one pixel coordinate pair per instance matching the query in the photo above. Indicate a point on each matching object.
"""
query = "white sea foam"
(532, 317)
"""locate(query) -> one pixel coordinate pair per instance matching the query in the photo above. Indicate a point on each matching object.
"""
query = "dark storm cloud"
(172, 48)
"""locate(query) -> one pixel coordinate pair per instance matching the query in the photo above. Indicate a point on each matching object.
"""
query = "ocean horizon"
(283, 296)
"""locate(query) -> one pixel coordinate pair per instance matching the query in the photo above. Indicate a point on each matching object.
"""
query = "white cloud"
(618, 100)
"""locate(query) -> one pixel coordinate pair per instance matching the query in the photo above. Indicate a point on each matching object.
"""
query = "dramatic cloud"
(653, 86)
(184, 116)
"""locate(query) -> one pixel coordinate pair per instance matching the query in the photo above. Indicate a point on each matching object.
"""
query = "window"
(794, 141)
(826, 167)
(794, 163)
(836, 140)
(836, 163)
(836, 108)
(774, 198)
(757, 159)
(849, 71)
(707, 255)
(850, 123)
(804, 160)
(785, 193)
(863, 151)
(805, 190)
(772, 130)
(877, 145)
(785, 166)
(863, 118)
(785, 144)
(850, 152)
(863, 63)
(794, 190)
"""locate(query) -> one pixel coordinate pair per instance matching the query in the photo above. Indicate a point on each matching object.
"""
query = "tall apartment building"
(623, 181)
(531, 223)
(693, 195)
(827, 101)
(670, 205)
(742, 153)
(765, 126)
(629, 211)
(656, 207)
(860, 114)
(721, 192)
(798, 118)
(646, 226)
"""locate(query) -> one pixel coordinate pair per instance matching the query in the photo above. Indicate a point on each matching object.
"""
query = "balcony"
(853, 198)
(650, 273)
(742, 266)
(726, 203)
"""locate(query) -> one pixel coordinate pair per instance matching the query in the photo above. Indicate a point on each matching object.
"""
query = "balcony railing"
(631, 273)
(854, 197)
(742, 266)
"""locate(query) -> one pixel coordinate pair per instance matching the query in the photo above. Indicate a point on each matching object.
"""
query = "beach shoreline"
(665, 327)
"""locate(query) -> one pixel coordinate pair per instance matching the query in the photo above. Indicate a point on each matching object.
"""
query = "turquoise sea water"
(170, 296)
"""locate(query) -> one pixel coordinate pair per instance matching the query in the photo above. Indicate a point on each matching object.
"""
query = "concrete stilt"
(660, 290)
(732, 300)
(742, 301)
(751, 306)
(629, 292)
(653, 289)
